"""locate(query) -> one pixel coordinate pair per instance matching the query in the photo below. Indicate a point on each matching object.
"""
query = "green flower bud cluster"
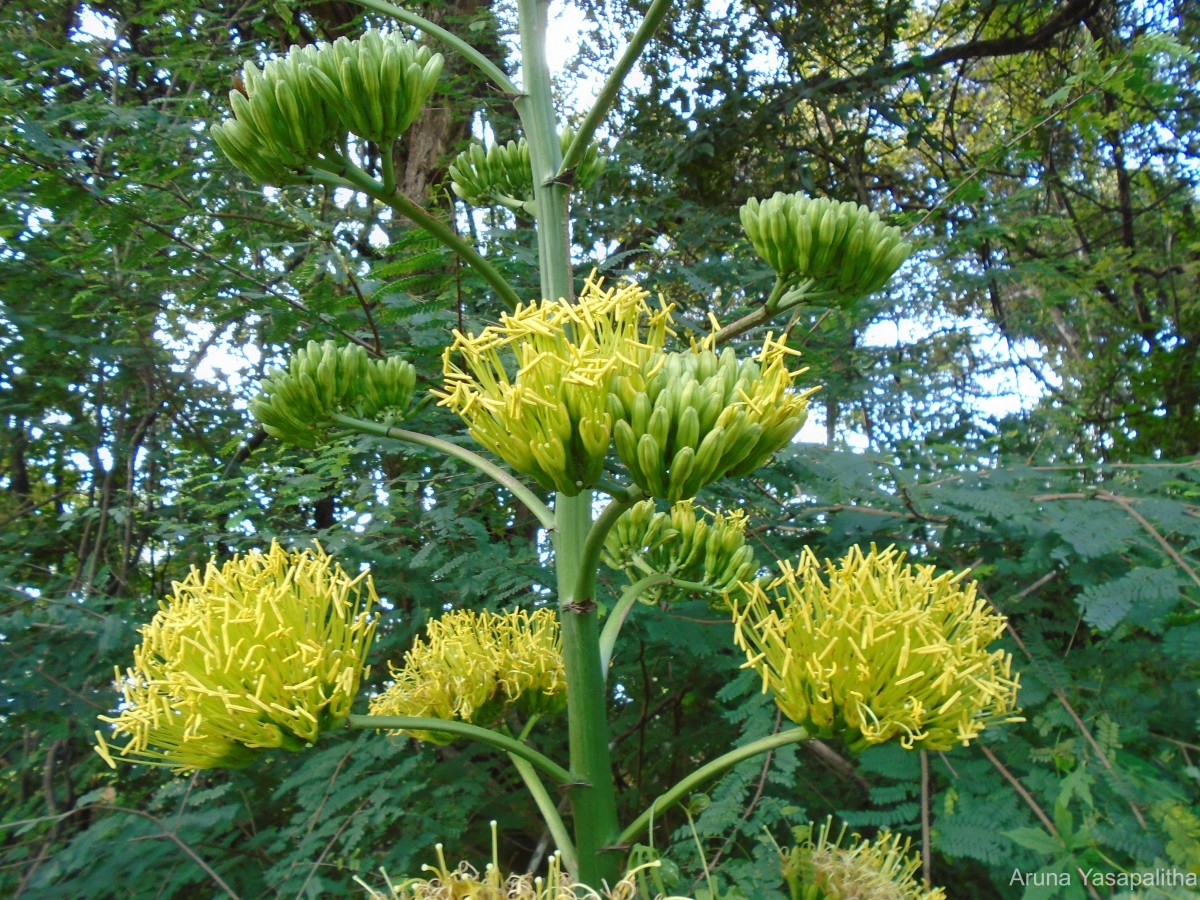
(284, 116)
(502, 174)
(265, 651)
(883, 869)
(844, 248)
(384, 81)
(695, 417)
(870, 649)
(710, 549)
(473, 665)
(299, 108)
(534, 389)
(295, 403)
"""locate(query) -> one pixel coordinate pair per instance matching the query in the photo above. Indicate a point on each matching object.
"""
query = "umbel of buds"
(844, 249)
(871, 649)
(534, 389)
(300, 108)
(265, 651)
(472, 665)
(502, 174)
(709, 549)
(693, 417)
(295, 403)
(822, 869)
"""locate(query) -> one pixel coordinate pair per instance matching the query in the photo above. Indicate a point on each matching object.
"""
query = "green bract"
(844, 249)
(295, 403)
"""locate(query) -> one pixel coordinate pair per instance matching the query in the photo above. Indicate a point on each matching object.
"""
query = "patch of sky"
(219, 356)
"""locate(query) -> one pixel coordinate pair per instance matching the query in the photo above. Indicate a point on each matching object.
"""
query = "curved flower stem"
(594, 544)
(708, 771)
(501, 476)
(467, 730)
(620, 612)
(549, 810)
(612, 85)
(354, 178)
(481, 62)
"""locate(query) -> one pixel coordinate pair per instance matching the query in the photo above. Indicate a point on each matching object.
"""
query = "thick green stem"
(467, 730)
(612, 85)
(536, 109)
(486, 466)
(593, 798)
(705, 773)
(481, 62)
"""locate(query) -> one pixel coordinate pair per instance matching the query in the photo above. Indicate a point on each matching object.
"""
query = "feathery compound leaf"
(1142, 593)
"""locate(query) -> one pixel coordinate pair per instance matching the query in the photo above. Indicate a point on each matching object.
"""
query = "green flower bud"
(694, 417)
(300, 107)
(502, 174)
(284, 117)
(709, 549)
(383, 80)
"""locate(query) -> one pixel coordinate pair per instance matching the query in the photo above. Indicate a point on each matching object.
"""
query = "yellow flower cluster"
(472, 665)
(265, 651)
(822, 869)
(872, 649)
(466, 881)
(534, 389)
